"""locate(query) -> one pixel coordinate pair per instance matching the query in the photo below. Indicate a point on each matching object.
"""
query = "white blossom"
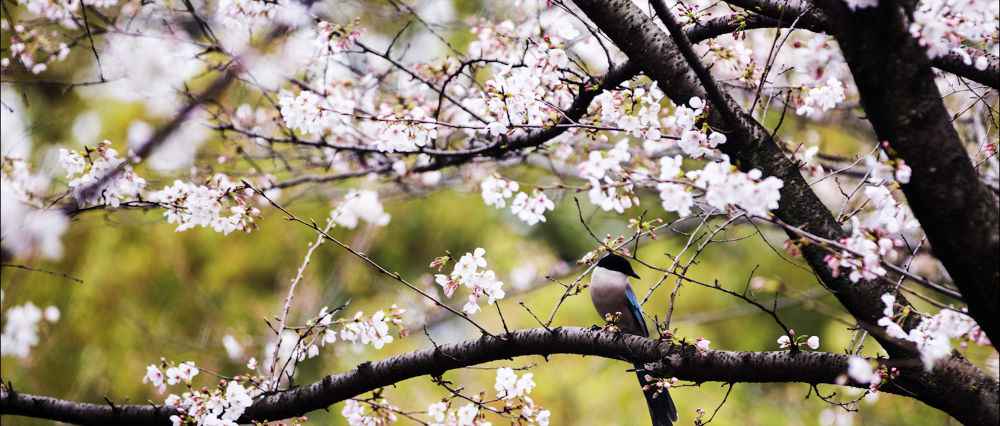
(823, 98)
(860, 370)
(813, 342)
(471, 272)
(360, 205)
(233, 347)
(496, 191)
(216, 205)
(20, 329)
(531, 209)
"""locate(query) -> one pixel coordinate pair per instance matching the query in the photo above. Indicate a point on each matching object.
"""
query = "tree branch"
(681, 360)
(749, 145)
(902, 101)
(781, 15)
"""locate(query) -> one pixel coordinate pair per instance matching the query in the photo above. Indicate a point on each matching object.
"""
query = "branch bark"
(955, 380)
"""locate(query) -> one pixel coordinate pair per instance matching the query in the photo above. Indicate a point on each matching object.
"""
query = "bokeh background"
(149, 292)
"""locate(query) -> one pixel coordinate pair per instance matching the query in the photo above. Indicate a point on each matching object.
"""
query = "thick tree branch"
(680, 360)
(957, 211)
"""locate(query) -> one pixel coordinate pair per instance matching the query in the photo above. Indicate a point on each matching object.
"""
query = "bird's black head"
(617, 263)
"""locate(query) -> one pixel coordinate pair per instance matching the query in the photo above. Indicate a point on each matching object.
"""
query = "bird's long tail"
(662, 410)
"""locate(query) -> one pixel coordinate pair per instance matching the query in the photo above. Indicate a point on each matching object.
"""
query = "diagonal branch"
(749, 145)
(902, 101)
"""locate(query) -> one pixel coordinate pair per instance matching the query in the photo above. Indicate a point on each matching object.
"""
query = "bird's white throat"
(606, 279)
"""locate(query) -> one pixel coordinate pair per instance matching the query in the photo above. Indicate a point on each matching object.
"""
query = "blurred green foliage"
(149, 292)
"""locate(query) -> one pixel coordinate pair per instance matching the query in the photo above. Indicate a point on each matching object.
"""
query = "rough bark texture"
(682, 361)
(956, 210)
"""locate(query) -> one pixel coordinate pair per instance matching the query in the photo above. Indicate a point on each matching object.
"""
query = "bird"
(612, 295)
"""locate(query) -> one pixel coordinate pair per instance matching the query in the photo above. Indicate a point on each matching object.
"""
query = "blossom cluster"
(934, 334)
(724, 187)
(861, 371)
(603, 170)
(63, 12)
(525, 87)
(512, 390)
(360, 205)
(33, 48)
(635, 110)
(862, 253)
(471, 272)
(965, 28)
(90, 168)
(876, 235)
(29, 226)
(219, 204)
(315, 114)
(373, 330)
(884, 170)
(358, 414)
(20, 329)
(497, 190)
(222, 405)
(820, 99)
(528, 208)
(786, 342)
(305, 343)
(249, 14)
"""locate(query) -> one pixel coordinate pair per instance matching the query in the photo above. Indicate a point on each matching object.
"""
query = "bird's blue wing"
(633, 306)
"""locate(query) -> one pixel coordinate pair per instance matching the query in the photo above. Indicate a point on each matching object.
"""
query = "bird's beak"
(634, 275)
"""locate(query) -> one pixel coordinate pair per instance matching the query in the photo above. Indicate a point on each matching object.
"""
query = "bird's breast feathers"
(607, 290)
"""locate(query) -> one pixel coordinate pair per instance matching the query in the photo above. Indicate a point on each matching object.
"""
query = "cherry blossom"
(702, 344)
(233, 347)
(860, 370)
(726, 188)
(934, 334)
(327, 102)
(218, 204)
(784, 342)
(822, 98)
(373, 331)
(154, 376)
(360, 205)
(357, 414)
(62, 12)
(20, 329)
(813, 342)
(497, 190)
(28, 230)
(470, 271)
(123, 186)
(531, 209)
(949, 26)
(509, 385)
